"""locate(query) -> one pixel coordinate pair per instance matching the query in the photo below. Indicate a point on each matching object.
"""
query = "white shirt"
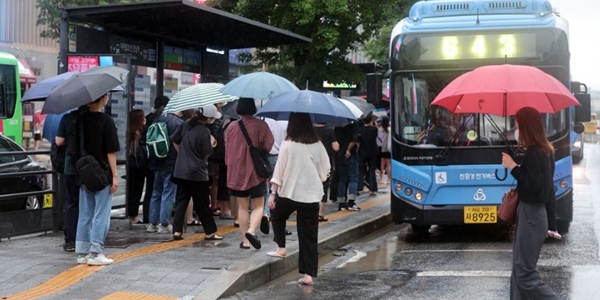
(279, 131)
(301, 170)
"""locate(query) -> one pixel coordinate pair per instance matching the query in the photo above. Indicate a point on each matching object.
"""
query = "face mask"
(517, 135)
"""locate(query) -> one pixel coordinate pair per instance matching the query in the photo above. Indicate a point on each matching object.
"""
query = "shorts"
(37, 137)
(255, 192)
(386, 155)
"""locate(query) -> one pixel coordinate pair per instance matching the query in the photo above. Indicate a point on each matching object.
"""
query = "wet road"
(456, 262)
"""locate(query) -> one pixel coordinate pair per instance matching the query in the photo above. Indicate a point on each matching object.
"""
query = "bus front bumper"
(404, 211)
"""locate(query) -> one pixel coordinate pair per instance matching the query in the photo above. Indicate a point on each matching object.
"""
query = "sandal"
(244, 247)
(194, 223)
(323, 219)
(253, 239)
(178, 237)
(213, 237)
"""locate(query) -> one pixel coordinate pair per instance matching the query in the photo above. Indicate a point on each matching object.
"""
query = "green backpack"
(158, 142)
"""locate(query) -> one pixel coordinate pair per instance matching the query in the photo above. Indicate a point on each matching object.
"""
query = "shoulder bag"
(91, 174)
(259, 156)
(508, 209)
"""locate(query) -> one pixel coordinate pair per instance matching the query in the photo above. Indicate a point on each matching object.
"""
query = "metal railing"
(46, 217)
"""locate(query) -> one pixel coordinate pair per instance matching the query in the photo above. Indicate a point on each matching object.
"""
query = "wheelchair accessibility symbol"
(441, 178)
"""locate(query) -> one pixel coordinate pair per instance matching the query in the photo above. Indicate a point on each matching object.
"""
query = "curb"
(270, 270)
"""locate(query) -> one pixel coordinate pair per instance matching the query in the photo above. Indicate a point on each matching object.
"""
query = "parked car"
(20, 163)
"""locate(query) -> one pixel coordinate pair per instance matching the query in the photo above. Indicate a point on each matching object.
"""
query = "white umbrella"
(196, 96)
(353, 108)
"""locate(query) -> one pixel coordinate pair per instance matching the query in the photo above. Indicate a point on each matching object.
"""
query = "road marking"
(137, 296)
(353, 259)
(457, 250)
(464, 274)
(76, 273)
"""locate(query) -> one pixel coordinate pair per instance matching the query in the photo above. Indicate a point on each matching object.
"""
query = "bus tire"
(563, 226)
(420, 229)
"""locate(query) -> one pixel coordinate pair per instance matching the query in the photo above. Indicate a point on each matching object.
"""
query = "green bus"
(11, 120)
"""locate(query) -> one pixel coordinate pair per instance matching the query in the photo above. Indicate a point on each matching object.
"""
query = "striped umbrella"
(196, 96)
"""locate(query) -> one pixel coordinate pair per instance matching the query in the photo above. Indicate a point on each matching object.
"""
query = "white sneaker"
(99, 260)
(164, 229)
(83, 258)
(151, 228)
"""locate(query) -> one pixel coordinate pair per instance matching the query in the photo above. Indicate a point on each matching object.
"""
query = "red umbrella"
(39, 117)
(504, 89)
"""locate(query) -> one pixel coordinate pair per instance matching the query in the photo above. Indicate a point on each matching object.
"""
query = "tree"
(336, 28)
(377, 48)
(50, 13)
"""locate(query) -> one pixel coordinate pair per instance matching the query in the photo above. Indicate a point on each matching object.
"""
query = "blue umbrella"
(42, 89)
(51, 126)
(322, 108)
(258, 85)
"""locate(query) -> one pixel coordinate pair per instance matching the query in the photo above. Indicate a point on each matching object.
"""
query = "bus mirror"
(374, 89)
(583, 113)
(578, 128)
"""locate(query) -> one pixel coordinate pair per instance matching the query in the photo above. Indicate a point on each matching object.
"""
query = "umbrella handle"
(498, 177)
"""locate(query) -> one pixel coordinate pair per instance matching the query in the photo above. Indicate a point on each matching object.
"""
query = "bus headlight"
(563, 184)
(418, 196)
(398, 187)
(577, 145)
(408, 191)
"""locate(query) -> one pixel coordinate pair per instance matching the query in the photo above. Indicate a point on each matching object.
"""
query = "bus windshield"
(420, 124)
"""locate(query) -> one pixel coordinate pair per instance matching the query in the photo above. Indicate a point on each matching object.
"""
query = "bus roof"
(8, 59)
(444, 15)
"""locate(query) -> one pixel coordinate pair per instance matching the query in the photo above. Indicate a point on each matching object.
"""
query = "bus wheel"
(420, 229)
(563, 226)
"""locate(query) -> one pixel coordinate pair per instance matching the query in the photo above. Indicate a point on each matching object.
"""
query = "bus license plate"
(480, 214)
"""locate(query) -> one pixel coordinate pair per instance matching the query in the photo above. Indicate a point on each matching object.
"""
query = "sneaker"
(83, 258)
(353, 207)
(342, 206)
(69, 246)
(553, 234)
(99, 260)
(151, 228)
(164, 229)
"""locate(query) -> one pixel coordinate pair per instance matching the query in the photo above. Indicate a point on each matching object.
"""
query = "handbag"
(259, 156)
(508, 209)
(91, 174)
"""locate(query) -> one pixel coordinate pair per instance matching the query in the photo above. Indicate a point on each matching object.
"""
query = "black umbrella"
(230, 108)
(361, 103)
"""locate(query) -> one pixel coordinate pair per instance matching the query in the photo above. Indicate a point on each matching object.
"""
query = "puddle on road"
(128, 241)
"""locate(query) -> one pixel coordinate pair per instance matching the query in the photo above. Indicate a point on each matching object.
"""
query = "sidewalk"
(152, 266)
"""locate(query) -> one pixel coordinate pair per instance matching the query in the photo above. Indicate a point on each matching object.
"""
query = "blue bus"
(443, 177)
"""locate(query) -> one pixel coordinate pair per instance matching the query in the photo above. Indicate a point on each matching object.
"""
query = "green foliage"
(50, 13)
(377, 48)
(336, 28)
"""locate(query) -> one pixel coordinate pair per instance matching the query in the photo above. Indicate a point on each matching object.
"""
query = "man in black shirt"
(347, 166)
(101, 141)
(330, 142)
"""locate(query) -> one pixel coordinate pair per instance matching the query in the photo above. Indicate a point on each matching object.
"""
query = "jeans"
(266, 211)
(163, 198)
(94, 220)
(347, 170)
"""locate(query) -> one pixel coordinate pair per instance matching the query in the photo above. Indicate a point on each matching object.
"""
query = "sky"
(584, 27)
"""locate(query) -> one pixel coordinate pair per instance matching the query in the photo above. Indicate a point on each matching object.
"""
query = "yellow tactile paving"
(77, 273)
(136, 296)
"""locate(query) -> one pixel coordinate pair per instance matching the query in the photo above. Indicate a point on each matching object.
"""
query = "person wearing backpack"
(66, 137)
(162, 161)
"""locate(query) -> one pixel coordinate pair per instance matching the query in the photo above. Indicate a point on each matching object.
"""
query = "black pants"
(136, 180)
(148, 195)
(200, 193)
(530, 233)
(308, 231)
(71, 208)
(366, 171)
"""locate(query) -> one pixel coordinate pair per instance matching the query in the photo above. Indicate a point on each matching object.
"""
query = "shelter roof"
(183, 23)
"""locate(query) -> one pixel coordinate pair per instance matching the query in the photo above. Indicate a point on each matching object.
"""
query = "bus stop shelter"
(179, 23)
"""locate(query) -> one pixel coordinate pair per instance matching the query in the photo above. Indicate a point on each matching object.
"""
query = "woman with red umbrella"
(535, 189)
